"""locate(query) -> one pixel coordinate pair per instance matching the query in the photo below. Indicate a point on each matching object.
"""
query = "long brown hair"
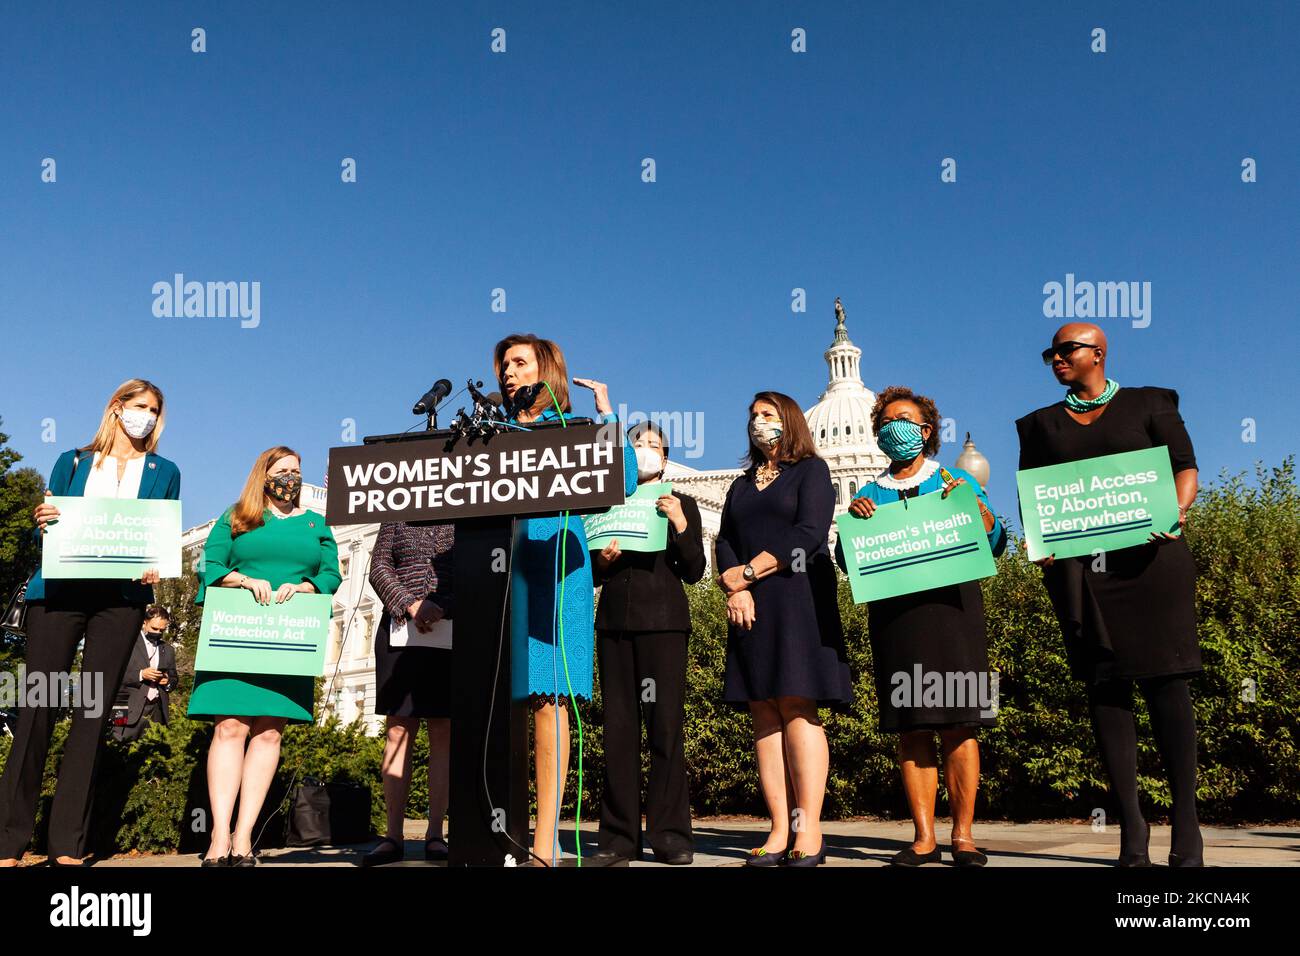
(796, 441)
(104, 436)
(551, 368)
(249, 511)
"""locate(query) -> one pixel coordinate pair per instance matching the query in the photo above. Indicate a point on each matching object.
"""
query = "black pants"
(644, 671)
(1173, 724)
(93, 610)
(151, 713)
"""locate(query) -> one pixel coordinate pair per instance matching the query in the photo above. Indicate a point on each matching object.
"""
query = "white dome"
(840, 422)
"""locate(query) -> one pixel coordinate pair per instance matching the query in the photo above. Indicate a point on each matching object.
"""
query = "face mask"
(138, 423)
(649, 463)
(765, 434)
(284, 487)
(900, 439)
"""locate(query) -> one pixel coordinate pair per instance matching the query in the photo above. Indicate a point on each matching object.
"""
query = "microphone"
(430, 399)
(524, 397)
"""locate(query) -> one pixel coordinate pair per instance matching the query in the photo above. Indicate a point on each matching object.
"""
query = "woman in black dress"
(410, 572)
(785, 648)
(1132, 618)
(939, 631)
(642, 625)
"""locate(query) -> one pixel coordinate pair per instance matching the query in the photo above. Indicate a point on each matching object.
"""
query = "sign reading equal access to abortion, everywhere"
(240, 635)
(1097, 504)
(637, 523)
(914, 545)
(117, 538)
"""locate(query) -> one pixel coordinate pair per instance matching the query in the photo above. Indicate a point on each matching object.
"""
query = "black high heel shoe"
(1141, 858)
(800, 858)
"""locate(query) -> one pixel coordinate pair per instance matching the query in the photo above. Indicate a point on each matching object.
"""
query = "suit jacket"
(136, 691)
(160, 478)
(642, 591)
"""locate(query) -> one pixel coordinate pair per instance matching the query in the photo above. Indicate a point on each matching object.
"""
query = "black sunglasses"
(1064, 350)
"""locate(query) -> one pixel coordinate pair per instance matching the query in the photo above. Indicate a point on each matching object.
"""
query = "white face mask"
(765, 433)
(138, 423)
(649, 464)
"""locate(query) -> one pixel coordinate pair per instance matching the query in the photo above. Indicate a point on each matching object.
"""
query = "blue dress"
(536, 610)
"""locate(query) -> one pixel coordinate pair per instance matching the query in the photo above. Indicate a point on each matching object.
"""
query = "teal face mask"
(900, 439)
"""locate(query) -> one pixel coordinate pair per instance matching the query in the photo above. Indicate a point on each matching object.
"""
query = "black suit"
(642, 626)
(140, 711)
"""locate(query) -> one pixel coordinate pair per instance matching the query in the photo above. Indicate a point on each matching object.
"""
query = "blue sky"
(522, 171)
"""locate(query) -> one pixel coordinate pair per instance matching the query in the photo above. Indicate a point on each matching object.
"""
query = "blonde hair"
(249, 511)
(102, 443)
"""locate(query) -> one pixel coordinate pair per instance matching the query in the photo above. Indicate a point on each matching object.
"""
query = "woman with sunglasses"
(1132, 618)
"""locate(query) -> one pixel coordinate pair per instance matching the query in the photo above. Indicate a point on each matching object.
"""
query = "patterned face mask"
(765, 434)
(900, 439)
(284, 487)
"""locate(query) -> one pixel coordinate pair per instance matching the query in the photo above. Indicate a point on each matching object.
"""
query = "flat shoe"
(760, 857)
(909, 857)
(436, 850)
(969, 857)
(248, 859)
(800, 858)
(388, 851)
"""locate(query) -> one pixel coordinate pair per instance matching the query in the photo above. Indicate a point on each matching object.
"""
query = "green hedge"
(1038, 762)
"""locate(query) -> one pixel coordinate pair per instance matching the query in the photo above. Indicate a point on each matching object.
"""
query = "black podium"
(482, 484)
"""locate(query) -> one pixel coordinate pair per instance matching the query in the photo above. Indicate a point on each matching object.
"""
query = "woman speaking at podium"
(550, 570)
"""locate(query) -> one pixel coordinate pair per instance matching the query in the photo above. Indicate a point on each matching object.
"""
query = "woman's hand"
(670, 506)
(1046, 562)
(862, 507)
(951, 485)
(261, 589)
(285, 592)
(45, 513)
(985, 514)
(601, 391)
(740, 609)
(150, 576)
(1161, 537)
(733, 579)
(610, 553)
(424, 614)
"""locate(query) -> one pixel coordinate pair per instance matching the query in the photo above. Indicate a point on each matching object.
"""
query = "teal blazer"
(159, 479)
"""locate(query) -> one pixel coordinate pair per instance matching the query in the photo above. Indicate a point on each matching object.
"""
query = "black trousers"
(92, 610)
(644, 671)
(150, 714)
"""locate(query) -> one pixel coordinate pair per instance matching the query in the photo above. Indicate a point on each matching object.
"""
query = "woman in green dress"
(266, 543)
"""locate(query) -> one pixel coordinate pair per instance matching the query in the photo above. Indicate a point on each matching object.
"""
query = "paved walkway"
(724, 842)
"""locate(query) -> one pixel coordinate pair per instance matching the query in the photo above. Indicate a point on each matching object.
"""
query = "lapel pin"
(152, 465)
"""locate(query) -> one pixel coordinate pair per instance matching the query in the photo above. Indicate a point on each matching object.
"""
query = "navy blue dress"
(796, 646)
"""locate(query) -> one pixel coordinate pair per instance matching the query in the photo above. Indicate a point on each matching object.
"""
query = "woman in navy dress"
(938, 631)
(785, 647)
(1132, 619)
(557, 617)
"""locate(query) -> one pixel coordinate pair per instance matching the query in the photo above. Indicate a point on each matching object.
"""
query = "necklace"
(766, 474)
(1076, 404)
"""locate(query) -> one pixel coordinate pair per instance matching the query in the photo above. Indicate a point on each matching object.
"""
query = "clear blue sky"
(522, 171)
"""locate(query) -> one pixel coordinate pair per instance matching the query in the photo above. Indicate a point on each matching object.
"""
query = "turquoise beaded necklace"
(1076, 404)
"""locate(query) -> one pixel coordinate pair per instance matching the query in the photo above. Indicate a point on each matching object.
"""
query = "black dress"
(796, 646)
(1137, 618)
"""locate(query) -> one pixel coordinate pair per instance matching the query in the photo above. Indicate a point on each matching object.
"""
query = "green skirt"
(224, 694)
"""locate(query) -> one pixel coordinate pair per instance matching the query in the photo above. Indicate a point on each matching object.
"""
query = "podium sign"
(541, 471)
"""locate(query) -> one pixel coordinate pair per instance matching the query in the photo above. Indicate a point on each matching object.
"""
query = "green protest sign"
(111, 538)
(637, 523)
(914, 545)
(1097, 504)
(240, 635)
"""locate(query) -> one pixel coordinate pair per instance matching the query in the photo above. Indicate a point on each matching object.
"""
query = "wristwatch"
(749, 574)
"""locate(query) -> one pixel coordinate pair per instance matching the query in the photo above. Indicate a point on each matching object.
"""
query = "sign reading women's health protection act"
(1097, 504)
(117, 538)
(637, 523)
(924, 542)
(240, 635)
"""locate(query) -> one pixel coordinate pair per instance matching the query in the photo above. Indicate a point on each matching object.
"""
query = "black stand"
(489, 791)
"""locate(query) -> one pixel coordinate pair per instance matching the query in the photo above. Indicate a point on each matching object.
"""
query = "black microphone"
(430, 399)
(523, 398)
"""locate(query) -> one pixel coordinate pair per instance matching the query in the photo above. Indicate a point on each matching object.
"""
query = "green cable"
(564, 548)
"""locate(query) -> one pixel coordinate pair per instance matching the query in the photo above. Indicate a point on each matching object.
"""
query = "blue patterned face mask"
(900, 439)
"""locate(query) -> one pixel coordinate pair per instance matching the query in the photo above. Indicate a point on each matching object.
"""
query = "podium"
(483, 484)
